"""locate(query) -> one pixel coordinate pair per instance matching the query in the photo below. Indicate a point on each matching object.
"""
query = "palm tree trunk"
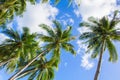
(25, 73)
(99, 63)
(15, 75)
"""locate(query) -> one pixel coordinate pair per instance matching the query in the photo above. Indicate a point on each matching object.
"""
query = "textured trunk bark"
(99, 63)
(15, 75)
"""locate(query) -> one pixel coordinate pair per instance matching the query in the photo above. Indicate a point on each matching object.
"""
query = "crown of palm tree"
(17, 47)
(101, 31)
(57, 39)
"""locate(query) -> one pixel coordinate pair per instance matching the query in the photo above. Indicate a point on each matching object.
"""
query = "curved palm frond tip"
(102, 32)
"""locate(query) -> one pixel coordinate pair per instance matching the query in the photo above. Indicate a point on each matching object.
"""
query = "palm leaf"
(87, 35)
(66, 33)
(11, 33)
(44, 1)
(46, 38)
(112, 51)
(48, 29)
(58, 28)
(68, 47)
(57, 1)
(96, 50)
(31, 77)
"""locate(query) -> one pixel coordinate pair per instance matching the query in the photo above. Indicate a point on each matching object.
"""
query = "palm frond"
(57, 1)
(32, 76)
(112, 51)
(96, 50)
(68, 47)
(87, 35)
(58, 28)
(48, 29)
(45, 1)
(95, 21)
(46, 38)
(11, 33)
(105, 22)
(114, 20)
(67, 32)
(115, 35)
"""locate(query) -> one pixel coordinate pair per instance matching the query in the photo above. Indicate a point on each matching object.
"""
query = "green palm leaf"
(112, 51)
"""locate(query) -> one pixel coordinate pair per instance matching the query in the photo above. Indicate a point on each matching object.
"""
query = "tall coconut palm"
(54, 41)
(102, 32)
(17, 47)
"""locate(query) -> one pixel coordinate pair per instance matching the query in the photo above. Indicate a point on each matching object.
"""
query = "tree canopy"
(102, 32)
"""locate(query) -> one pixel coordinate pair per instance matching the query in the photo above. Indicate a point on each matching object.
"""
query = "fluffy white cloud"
(86, 61)
(96, 8)
(81, 47)
(37, 14)
(66, 19)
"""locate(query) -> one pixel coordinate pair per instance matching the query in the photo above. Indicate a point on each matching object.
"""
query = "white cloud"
(66, 19)
(96, 8)
(86, 61)
(71, 21)
(37, 14)
(81, 47)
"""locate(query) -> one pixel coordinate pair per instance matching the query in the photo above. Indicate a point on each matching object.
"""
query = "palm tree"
(54, 41)
(102, 32)
(17, 48)
(41, 69)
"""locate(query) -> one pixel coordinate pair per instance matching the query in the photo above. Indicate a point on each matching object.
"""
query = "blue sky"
(81, 66)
